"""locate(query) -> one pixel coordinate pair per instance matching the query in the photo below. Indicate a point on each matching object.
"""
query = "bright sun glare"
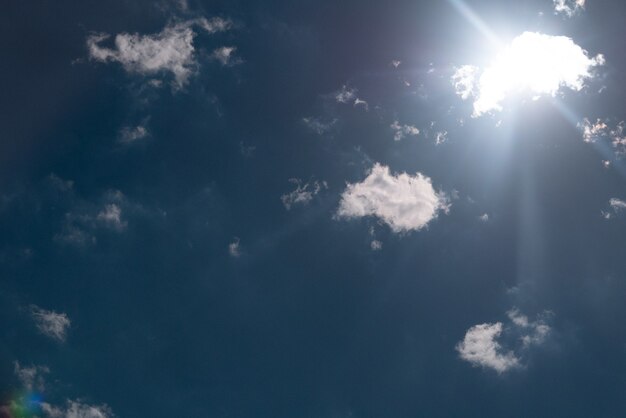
(533, 63)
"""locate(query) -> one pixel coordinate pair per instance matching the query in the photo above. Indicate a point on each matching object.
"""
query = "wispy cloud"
(51, 324)
(303, 193)
(226, 55)
(234, 248)
(319, 126)
(169, 51)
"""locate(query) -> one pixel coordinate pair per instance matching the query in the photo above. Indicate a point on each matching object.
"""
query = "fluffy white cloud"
(480, 348)
(534, 64)
(170, 50)
(481, 345)
(404, 202)
(401, 131)
(50, 323)
(303, 193)
(568, 7)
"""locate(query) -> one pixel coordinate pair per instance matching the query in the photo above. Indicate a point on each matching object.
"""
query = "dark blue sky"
(285, 209)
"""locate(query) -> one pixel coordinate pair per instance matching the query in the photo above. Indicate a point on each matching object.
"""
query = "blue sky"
(312, 209)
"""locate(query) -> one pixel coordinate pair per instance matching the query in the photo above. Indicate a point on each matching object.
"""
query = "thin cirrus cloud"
(534, 64)
(402, 201)
(568, 7)
(303, 194)
(169, 51)
(482, 347)
(51, 324)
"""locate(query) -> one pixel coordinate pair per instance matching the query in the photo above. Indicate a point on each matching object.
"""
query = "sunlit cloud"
(601, 129)
(568, 7)
(402, 201)
(533, 64)
(401, 131)
(170, 50)
(482, 345)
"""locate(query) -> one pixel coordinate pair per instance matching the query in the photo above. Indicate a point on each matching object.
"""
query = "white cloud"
(362, 103)
(401, 131)
(226, 55)
(617, 205)
(319, 126)
(533, 64)
(404, 202)
(376, 245)
(51, 324)
(464, 80)
(234, 248)
(396, 63)
(480, 348)
(303, 193)
(568, 7)
(484, 217)
(131, 134)
(170, 50)
(481, 345)
(76, 409)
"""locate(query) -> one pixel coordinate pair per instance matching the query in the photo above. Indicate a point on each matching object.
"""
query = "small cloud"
(225, 55)
(169, 51)
(568, 7)
(606, 163)
(482, 345)
(345, 95)
(376, 245)
(246, 151)
(60, 184)
(481, 348)
(404, 202)
(464, 81)
(51, 324)
(234, 248)
(396, 63)
(362, 103)
(441, 137)
(401, 131)
(318, 126)
(600, 129)
(484, 217)
(111, 216)
(131, 134)
(303, 193)
(617, 206)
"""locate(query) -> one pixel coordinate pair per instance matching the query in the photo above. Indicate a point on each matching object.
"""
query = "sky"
(312, 209)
